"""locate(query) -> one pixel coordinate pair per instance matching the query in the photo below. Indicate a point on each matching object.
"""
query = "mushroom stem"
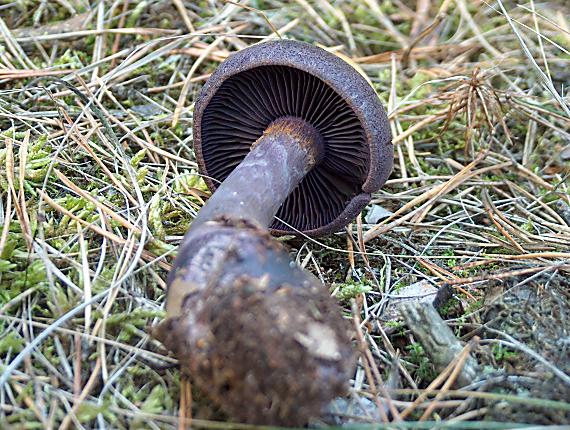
(277, 163)
(260, 335)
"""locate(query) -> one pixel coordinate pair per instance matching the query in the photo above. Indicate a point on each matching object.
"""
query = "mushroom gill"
(245, 105)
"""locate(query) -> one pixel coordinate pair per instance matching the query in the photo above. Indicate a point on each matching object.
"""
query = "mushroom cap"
(264, 82)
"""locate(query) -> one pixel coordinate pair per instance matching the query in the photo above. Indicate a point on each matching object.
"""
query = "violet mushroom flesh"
(299, 141)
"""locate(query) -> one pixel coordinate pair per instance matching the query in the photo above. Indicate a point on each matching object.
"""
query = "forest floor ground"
(98, 183)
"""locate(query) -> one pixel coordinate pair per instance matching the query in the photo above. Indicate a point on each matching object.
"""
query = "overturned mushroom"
(291, 130)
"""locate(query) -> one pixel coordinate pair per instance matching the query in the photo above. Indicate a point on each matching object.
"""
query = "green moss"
(137, 318)
(72, 59)
(503, 354)
(135, 14)
(398, 326)
(11, 342)
(352, 290)
(474, 306)
(423, 370)
(451, 262)
(88, 411)
(449, 307)
(418, 83)
(156, 401)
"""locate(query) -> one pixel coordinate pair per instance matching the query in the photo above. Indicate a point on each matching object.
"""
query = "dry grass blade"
(95, 228)
(21, 210)
(89, 197)
(546, 79)
(441, 14)
(429, 197)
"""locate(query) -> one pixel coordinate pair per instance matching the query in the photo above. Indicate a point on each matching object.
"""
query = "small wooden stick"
(437, 339)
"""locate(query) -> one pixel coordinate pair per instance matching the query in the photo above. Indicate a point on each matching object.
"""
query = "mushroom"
(299, 141)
